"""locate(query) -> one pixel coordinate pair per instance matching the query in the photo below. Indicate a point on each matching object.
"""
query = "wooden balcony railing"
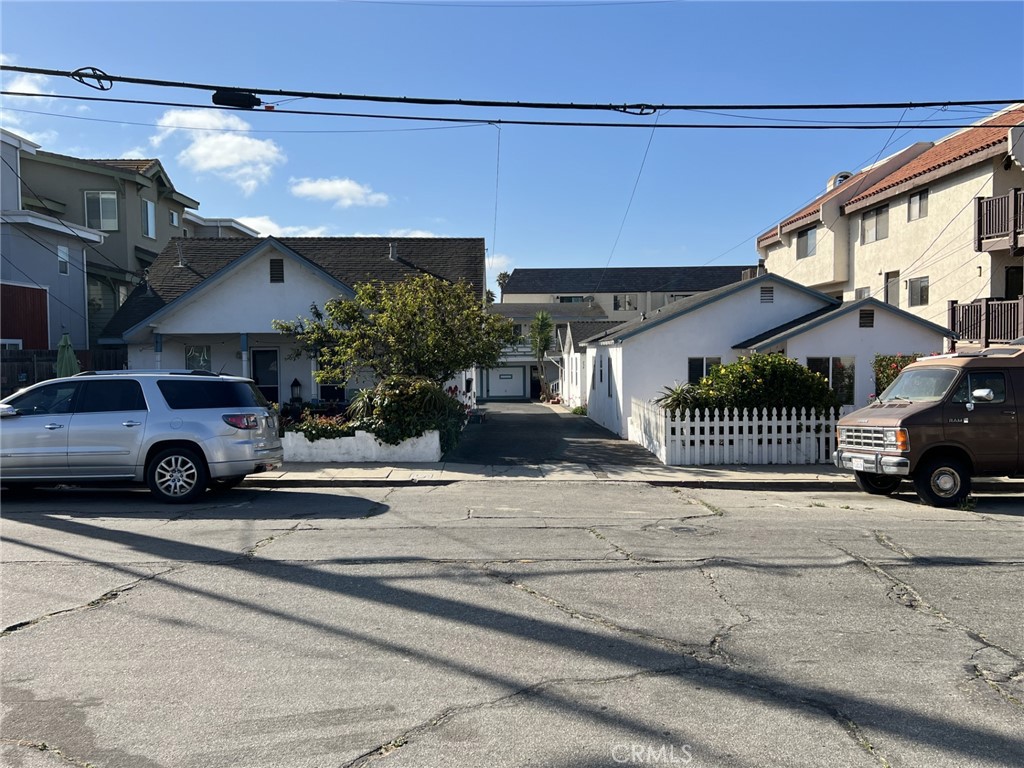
(999, 221)
(987, 321)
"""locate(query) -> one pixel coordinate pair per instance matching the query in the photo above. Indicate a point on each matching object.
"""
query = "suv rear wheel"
(177, 476)
(942, 481)
(877, 485)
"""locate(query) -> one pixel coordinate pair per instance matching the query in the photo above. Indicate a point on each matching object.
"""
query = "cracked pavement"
(510, 624)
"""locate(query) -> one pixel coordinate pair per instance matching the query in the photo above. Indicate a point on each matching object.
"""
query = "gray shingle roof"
(350, 260)
(588, 329)
(587, 280)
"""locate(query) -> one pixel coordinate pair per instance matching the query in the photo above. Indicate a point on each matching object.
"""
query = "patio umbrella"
(67, 363)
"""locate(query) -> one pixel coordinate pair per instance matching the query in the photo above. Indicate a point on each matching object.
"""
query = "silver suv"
(178, 431)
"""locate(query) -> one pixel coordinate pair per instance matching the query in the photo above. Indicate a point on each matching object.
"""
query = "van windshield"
(924, 385)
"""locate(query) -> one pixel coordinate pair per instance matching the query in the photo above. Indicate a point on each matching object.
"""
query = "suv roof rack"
(134, 371)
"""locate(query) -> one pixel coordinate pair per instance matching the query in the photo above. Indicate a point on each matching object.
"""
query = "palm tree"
(541, 331)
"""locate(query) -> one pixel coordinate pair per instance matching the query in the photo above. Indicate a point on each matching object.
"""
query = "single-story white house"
(209, 303)
(768, 313)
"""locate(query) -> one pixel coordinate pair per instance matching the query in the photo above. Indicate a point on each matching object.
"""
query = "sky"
(540, 196)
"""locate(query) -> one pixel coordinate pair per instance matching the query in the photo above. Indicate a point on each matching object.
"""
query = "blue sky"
(540, 196)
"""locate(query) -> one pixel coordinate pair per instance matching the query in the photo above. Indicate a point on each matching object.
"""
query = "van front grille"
(862, 437)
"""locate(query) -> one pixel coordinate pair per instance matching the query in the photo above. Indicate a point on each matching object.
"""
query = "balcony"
(987, 321)
(999, 222)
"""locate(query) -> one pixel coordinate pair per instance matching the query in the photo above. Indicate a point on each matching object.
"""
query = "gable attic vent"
(867, 318)
(277, 270)
(767, 294)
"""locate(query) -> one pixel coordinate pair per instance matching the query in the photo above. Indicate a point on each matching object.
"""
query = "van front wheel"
(942, 482)
(877, 485)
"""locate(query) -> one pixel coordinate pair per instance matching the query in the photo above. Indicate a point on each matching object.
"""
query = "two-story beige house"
(132, 202)
(935, 229)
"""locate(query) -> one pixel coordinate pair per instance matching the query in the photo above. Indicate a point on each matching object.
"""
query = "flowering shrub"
(888, 367)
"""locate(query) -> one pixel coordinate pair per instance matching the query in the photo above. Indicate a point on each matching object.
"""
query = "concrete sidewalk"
(303, 475)
(806, 477)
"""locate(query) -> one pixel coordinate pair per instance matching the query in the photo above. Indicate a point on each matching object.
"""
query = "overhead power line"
(97, 78)
(502, 121)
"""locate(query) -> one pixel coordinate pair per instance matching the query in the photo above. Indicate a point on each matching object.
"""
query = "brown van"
(943, 420)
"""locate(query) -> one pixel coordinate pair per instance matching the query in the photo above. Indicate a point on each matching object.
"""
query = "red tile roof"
(813, 208)
(958, 146)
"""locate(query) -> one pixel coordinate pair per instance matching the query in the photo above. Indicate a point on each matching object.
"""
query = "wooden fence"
(21, 367)
(799, 436)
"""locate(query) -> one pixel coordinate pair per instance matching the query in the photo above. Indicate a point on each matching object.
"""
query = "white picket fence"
(799, 436)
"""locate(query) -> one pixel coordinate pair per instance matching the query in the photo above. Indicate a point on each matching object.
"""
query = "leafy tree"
(758, 381)
(542, 330)
(421, 327)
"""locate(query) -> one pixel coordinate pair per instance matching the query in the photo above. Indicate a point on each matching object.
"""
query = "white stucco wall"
(844, 338)
(246, 301)
(658, 358)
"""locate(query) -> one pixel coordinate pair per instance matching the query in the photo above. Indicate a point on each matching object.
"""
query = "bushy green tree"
(421, 327)
(755, 382)
(401, 407)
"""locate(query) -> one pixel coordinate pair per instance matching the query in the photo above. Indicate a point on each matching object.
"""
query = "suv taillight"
(242, 420)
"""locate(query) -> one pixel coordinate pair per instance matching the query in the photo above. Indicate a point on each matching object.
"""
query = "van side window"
(50, 399)
(994, 381)
(982, 380)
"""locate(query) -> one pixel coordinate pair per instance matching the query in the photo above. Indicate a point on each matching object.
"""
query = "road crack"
(42, 746)
(100, 601)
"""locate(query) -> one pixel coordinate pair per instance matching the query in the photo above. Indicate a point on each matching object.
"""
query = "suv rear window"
(185, 395)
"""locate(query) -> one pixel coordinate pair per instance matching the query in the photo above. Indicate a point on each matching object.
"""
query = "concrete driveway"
(533, 433)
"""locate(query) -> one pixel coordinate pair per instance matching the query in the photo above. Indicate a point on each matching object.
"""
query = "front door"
(265, 373)
(892, 288)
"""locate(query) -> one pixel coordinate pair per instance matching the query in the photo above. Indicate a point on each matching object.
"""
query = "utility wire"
(501, 121)
(49, 295)
(105, 82)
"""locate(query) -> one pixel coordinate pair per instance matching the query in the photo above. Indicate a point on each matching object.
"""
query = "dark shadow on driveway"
(531, 433)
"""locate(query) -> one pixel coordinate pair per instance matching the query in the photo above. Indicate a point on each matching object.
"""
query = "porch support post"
(158, 349)
(951, 323)
(244, 345)
(314, 386)
(977, 224)
(984, 323)
(1014, 219)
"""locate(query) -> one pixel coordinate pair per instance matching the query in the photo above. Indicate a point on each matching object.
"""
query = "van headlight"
(896, 439)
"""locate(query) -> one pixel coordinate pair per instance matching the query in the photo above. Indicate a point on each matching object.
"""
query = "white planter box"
(362, 447)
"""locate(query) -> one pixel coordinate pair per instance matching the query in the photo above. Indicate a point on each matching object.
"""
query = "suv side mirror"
(6, 411)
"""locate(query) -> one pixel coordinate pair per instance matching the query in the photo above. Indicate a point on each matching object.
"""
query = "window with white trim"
(874, 225)
(174, 218)
(10, 343)
(839, 371)
(148, 219)
(63, 259)
(197, 357)
(624, 302)
(699, 367)
(861, 293)
(101, 211)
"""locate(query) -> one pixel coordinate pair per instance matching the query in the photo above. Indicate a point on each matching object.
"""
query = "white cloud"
(397, 233)
(267, 227)
(344, 193)
(499, 262)
(218, 144)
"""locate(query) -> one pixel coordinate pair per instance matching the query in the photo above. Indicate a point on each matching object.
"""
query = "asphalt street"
(502, 623)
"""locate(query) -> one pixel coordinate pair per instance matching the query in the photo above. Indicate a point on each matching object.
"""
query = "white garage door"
(506, 382)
